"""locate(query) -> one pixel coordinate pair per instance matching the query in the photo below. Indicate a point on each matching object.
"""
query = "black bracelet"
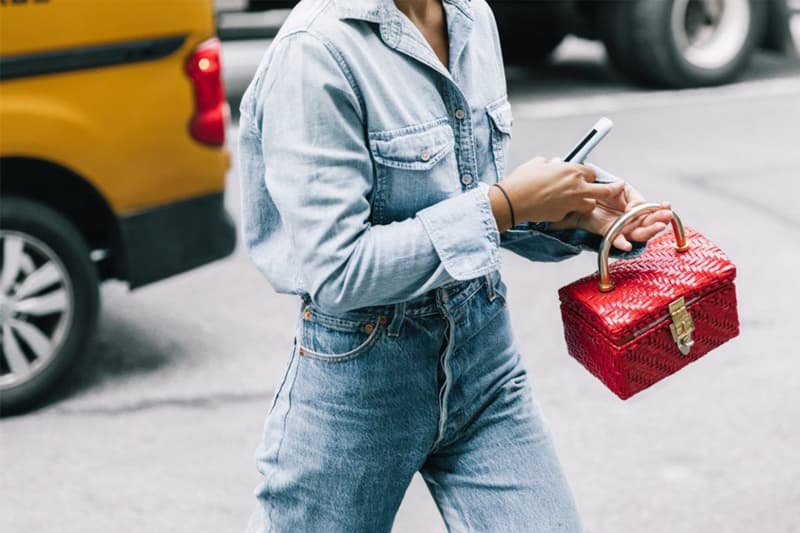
(510, 207)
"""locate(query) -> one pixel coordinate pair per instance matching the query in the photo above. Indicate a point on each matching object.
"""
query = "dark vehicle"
(667, 43)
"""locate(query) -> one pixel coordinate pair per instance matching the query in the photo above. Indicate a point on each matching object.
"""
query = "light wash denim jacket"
(365, 163)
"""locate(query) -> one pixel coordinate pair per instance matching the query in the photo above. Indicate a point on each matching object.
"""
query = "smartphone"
(590, 141)
(582, 150)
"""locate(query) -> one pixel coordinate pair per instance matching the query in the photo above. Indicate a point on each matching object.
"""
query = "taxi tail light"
(211, 109)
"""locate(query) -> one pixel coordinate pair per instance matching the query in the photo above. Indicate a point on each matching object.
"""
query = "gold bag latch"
(682, 325)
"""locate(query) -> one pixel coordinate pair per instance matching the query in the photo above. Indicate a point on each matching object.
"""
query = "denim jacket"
(365, 163)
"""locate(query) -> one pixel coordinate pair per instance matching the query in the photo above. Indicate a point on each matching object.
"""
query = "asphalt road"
(159, 433)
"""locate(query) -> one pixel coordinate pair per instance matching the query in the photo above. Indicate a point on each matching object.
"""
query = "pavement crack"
(188, 402)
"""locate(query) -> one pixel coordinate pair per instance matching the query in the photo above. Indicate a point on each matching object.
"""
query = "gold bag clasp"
(682, 325)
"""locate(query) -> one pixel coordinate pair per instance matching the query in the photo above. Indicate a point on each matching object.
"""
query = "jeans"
(434, 385)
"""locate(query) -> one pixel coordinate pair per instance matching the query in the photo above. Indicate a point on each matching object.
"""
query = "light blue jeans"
(434, 385)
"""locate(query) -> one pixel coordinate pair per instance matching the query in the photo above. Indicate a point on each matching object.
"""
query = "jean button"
(466, 179)
(425, 155)
(460, 114)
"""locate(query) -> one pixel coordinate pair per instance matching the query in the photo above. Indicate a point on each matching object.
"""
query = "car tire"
(521, 45)
(49, 300)
(683, 43)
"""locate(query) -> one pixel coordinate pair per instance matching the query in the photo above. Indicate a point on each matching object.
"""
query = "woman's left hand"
(600, 219)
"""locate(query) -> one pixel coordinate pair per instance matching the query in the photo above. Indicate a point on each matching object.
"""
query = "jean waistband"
(451, 294)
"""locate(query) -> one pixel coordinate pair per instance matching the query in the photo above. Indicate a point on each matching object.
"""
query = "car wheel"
(48, 302)
(683, 43)
(522, 40)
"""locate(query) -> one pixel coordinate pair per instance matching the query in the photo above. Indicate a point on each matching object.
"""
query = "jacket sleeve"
(536, 242)
(319, 174)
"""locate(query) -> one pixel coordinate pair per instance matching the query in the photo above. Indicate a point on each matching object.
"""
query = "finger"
(633, 196)
(621, 243)
(645, 233)
(657, 216)
(604, 192)
(616, 204)
(631, 225)
(648, 219)
(613, 208)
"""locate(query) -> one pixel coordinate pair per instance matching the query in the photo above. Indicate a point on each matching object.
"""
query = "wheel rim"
(710, 33)
(36, 307)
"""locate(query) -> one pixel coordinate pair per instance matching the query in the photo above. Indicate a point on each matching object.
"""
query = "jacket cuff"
(538, 243)
(464, 233)
(586, 240)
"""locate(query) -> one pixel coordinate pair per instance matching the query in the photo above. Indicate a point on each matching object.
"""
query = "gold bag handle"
(606, 284)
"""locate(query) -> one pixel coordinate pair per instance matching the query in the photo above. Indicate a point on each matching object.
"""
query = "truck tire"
(528, 33)
(48, 302)
(683, 43)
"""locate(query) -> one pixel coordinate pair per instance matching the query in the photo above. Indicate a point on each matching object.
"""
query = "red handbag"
(664, 309)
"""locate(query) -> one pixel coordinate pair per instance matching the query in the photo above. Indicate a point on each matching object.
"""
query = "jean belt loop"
(397, 319)
(490, 289)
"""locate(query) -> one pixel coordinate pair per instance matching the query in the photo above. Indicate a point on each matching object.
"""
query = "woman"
(370, 138)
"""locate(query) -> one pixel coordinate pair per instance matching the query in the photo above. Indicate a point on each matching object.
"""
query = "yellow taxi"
(112, 166)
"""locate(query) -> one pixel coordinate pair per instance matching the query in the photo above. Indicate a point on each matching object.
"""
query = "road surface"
(159, 433)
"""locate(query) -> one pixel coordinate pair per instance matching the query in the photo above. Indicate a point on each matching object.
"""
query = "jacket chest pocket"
(500, 122)
(415, 167)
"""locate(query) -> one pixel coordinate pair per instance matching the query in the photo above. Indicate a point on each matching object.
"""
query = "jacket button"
(460, 114)
(466, 179)
(369, 328)
(307, 314)
(425, 155)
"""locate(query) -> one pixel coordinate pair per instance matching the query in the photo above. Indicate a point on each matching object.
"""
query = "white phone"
(590, 141)
(582, 150)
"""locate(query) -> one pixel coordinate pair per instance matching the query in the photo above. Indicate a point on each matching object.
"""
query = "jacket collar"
(400, 34)
(369, 10)
(380, 11)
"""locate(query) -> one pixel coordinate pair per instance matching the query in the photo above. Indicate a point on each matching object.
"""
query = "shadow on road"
(122, 348)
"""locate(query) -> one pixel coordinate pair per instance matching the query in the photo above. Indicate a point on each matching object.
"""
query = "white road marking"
(529, 108)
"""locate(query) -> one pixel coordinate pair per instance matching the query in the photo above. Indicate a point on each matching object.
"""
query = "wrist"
(500, 209)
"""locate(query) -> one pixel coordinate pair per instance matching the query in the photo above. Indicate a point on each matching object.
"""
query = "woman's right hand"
(544, 190)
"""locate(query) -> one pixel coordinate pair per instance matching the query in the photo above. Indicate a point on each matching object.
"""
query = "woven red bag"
(664, 309)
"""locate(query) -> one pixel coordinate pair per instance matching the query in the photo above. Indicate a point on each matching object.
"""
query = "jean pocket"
(500, 122)
(333, 338)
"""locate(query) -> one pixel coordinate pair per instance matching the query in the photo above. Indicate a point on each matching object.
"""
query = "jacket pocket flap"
(417, 150)
(500, 113)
